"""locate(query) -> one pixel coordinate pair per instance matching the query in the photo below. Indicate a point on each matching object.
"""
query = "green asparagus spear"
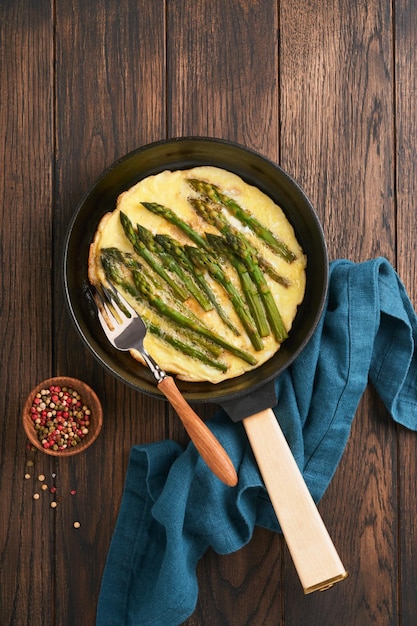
(202, 259)
(185, 348)
(174, 248)
(173, 218)
(214, 217)
(217, 196)
(179, 345)
(240, 247)
(248, 286)
(153, 245)
(184, 321)
(243, 249)
(117, 267)
(141, 249)
(210, 213)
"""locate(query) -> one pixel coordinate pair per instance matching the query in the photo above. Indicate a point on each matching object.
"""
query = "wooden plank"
(338, 142)
(26, 525)
(406, 127)
(406, 186)
(240, 588)
(223, 66)
(223, 72)
(359, 509)
(337, 120)
(313, 86)
(110, 99)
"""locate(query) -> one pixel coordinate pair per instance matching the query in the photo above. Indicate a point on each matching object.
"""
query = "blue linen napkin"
(173, 508)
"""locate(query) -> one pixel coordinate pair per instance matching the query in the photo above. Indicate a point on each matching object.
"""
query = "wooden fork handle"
(315, 558)
(206, 443)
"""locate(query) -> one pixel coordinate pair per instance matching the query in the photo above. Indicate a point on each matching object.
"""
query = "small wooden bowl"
(88, 398)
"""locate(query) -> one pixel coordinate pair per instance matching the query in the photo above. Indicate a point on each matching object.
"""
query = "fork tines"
(111, 304)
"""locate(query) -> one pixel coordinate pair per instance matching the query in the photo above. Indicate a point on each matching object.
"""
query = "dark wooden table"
(327, 90)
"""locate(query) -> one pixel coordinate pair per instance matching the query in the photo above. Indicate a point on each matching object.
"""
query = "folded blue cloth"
(173, 507)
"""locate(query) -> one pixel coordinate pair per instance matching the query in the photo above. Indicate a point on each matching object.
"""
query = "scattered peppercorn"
(60, 417)
(36, 496)
(53, 504)
(77, 524)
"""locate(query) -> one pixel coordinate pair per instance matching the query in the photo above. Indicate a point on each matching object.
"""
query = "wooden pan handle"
(315, 558)
(206, 443)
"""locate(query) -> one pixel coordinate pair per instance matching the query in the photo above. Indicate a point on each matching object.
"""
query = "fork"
(126, 330)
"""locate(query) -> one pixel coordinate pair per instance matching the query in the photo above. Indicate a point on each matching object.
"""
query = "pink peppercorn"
(59, 415)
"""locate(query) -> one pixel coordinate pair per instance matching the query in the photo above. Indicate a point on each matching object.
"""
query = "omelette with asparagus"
(210, 263)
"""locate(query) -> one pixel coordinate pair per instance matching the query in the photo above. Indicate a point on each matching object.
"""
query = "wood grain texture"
(338, 142)
(107, 57)
(227, 86)
(358, 509)
(406, 133)
(406, 187)
(326, 89)
(337, 119)
(26, 164)
(241, 589)
(223, 71)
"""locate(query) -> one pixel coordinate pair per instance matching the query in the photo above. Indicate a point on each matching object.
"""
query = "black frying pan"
(250, 396)
(181, 154)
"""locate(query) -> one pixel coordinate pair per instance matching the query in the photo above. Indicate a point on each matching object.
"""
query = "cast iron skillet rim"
(178, 140)
(213, 396)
